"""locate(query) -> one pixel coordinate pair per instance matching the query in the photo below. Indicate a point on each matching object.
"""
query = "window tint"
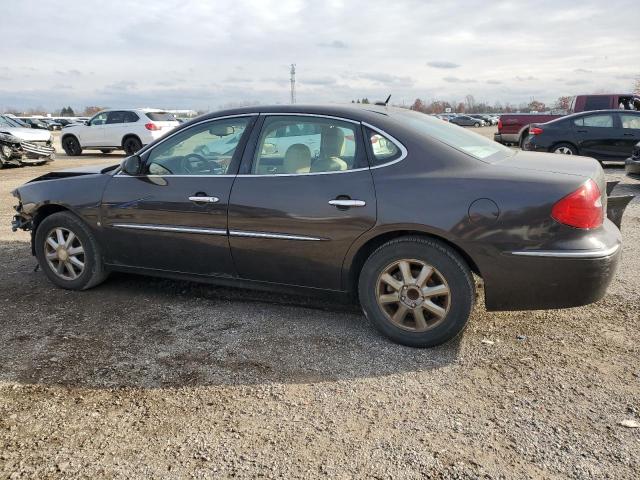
(383, 149)
(130, 117)
(299, 145)
(115, 117)
(161, 116)
(598, 121)
(205, 149)
(597, 102)
(99, 119)
(630, 121)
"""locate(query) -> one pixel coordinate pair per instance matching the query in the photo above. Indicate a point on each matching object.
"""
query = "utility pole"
(293, 83)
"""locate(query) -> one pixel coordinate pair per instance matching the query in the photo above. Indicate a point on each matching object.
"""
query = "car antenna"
(384, 104)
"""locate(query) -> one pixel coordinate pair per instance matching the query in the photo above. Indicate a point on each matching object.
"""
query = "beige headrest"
(297, 159)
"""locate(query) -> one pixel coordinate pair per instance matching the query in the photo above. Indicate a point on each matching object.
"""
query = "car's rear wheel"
(564, 149)
(71, 146)
(68, 253)
(131, 145)
(417, 291)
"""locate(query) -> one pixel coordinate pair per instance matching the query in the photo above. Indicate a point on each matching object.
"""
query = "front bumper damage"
(15, 151)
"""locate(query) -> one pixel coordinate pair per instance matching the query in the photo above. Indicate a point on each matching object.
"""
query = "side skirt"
(337, 296)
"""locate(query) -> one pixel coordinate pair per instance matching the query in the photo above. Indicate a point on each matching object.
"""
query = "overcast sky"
(204, 55)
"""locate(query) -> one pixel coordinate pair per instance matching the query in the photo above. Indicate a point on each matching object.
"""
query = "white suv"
(111, 130)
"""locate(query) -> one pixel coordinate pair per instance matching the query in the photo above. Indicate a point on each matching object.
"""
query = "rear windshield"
(161, 116)
(457, 137)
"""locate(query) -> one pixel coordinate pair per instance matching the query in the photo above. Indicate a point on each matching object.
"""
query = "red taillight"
(500, 124)
(151, 126)
(580, 209)
(535, 131)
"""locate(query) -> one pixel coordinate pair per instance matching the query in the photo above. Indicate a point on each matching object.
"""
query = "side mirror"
(131, 165)
(87, 123)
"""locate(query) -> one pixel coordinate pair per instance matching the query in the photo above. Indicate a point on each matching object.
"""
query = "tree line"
(470, 105)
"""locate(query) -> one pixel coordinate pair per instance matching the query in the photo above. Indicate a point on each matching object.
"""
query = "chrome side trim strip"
(170, 228)
(254, 175)
(569, 253)
(279, 236)
(318, 115)
(403, 149)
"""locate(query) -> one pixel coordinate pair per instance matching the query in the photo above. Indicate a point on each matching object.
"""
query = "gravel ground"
(143, 378)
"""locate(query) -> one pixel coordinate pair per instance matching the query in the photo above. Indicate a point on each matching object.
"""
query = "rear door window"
(115, 117)
(130, 117)
(630, 121)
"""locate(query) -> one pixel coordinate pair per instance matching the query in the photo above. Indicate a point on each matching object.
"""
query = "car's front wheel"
(477, 125)
(68, 253)
(71, 146)
(417, 291)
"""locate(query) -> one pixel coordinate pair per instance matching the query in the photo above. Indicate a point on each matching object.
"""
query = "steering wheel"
(188, 162)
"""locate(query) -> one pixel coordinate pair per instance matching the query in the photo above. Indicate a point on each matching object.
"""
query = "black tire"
(106, 150)
(93, 271)
(131, 145)
(523, 137)
(477, 125)
(564, 148)
(447, 263)
(71, 146)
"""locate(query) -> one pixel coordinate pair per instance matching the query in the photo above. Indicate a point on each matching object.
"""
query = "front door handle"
(347, 203)
(628, 134)
(199, 199)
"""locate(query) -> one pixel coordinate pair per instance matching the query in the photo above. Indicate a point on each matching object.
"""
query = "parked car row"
(46, 123)
(470, 120)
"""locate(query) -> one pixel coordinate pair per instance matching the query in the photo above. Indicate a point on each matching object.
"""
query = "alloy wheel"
(413, 295)
(64, 253)
(563, 150)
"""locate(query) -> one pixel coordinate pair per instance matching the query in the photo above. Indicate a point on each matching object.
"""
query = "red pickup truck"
(513, 128)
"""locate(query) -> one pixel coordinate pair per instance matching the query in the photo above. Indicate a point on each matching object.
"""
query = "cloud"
(582, 70)
(238, 80)
(576, 82)
(441, 64)
(318, 80)
(335, 44)
(386, 79)
(529, 78)
(494, 82)
(459, 80)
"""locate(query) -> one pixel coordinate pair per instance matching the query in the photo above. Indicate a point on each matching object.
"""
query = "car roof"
(367, 112)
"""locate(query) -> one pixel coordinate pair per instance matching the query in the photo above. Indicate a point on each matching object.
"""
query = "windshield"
(8, 122)
(457, 137)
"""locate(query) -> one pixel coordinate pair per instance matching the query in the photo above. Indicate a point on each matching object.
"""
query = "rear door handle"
(199, 199)
(628, 134)
(347, 203)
